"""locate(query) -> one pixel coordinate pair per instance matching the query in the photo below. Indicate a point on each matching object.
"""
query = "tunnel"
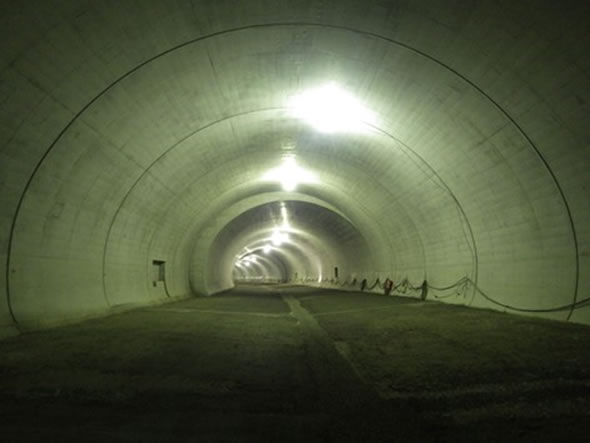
(158, 153)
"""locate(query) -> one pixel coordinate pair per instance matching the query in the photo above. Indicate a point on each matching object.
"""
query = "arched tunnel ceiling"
(305, 238)
(138, 133)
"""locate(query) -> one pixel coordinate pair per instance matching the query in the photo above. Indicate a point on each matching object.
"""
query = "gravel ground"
(298, 364)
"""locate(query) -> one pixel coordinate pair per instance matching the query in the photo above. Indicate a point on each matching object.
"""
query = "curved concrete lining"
(320, 235)
(131, 139)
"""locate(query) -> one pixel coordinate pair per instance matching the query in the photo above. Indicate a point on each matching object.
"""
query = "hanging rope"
(370, 288)
(458, 289)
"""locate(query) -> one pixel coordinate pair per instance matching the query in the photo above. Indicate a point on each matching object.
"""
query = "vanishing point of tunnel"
(311, 220)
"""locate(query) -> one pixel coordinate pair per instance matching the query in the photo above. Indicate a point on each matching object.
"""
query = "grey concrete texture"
(299, 364)
(133, 132)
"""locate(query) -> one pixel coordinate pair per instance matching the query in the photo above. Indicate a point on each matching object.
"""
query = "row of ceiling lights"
(328, 109)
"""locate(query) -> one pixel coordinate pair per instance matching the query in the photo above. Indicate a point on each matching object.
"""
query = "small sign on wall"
(158, 271)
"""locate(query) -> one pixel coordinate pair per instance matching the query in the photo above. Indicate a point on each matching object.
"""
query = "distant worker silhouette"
(387, 286)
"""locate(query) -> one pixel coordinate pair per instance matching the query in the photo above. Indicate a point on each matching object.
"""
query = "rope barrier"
(545, 310)
(370, 288)
(461, 287)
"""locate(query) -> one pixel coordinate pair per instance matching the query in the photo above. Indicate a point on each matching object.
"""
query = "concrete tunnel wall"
(127, 130)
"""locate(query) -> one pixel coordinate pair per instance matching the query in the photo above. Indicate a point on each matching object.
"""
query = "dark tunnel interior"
(309, 220)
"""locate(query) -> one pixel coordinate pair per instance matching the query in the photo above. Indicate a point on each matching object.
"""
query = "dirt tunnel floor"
(299, 364)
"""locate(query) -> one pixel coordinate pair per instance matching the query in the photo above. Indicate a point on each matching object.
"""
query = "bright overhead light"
(267, 249)
(285, 217)
(289, 174)
(278, 238)
(330, 109)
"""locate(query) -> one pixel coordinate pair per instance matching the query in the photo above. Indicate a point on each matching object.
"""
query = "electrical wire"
(461, 288)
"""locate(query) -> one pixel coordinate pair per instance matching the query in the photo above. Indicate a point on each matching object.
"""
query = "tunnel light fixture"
(278, 237)
(330, 109)
(289, 174)
(267, 249)
(284, 216)
(287, 146)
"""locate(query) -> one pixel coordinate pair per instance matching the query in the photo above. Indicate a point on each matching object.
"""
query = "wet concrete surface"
(298, 364)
